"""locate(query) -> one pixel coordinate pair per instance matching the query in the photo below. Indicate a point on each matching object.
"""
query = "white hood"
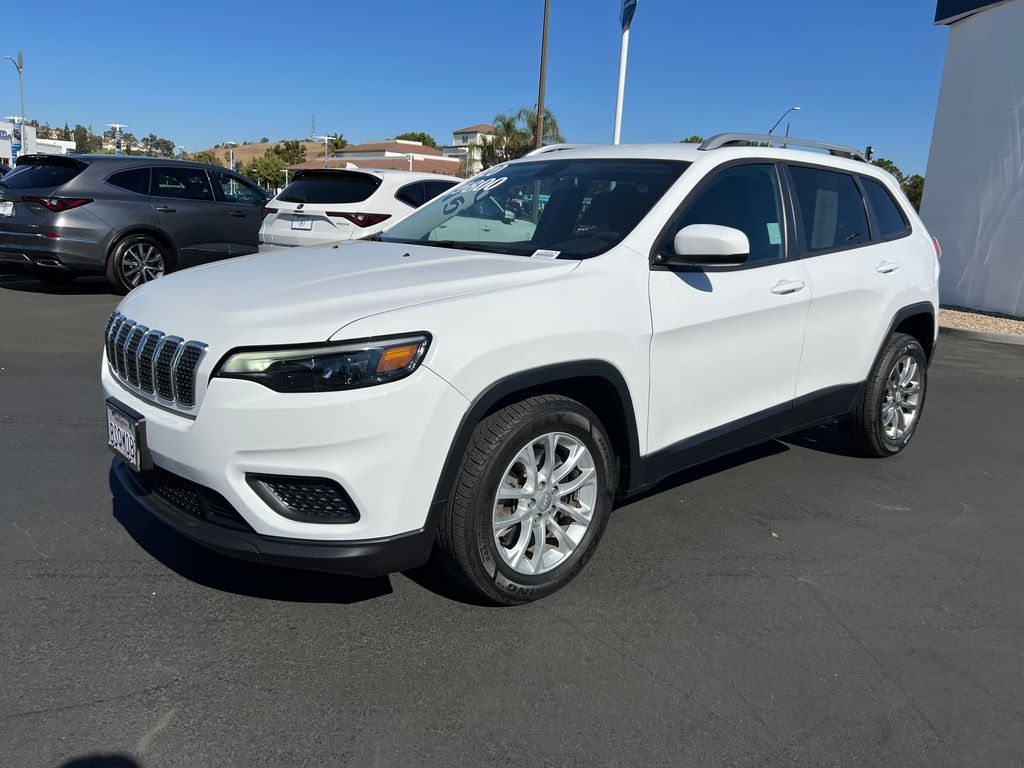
(309, 294)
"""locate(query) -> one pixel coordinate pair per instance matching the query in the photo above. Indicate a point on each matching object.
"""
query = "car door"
(239, 211)
(855, 275)
(185, 206)
(726, 341)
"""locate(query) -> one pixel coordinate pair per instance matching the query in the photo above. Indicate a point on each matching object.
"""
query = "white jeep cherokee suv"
(352, 408)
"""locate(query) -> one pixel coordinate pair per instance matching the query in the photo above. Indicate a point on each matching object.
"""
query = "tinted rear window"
(330, 188)
(135, 180)
(887, 213)
(50, 175)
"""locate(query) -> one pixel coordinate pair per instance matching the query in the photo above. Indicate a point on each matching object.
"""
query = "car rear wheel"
(531, 500)
(887, 417)
(136, 260)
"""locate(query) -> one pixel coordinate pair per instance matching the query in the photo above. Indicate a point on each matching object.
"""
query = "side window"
(135, 180)
(432, 189)
(411, 194)
(234, 190)
(182, 183)
(887, 213)
(744, 197)
(831, 209)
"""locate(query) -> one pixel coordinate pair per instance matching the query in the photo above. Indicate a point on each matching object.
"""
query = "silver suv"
(131, 218)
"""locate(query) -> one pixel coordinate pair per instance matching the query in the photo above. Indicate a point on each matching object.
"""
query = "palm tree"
(516, 134)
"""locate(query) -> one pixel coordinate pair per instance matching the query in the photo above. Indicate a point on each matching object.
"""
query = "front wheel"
(887, 416)
(531, 500)
(136, 260)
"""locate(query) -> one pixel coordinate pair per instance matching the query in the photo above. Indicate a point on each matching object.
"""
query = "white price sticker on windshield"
(544, 254)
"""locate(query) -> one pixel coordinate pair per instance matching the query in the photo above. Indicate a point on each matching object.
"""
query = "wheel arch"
(140, 229)
(917, 320)
(596, 384)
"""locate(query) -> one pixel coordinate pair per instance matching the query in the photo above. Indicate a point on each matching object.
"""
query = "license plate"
(6, 208)
(306, 224)
(125, 436)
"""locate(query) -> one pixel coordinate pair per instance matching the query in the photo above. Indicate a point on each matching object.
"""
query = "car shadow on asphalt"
(825, 438)
(83, 286)
(240, 577)
(101, 761)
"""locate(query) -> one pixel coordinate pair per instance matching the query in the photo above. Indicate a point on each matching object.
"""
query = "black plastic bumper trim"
(366, 557)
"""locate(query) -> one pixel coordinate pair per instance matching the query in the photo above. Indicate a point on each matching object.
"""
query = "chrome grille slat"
(156, 366)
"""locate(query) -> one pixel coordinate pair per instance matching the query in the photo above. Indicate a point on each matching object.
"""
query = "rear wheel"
(531, 500)
(136, 260)
(886, 419)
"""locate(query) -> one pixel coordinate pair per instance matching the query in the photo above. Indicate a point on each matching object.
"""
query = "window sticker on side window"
(774, 233)
(826, 216)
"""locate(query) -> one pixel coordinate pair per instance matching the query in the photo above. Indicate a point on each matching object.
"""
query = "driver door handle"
(784, 287)
(164, 209)
(886, 267)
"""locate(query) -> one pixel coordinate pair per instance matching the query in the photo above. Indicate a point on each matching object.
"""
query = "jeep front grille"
(156, 366)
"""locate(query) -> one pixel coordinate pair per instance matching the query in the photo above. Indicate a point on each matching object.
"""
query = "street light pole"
(19, 65)
(791, 109)
(543, 76)
(628, 11)
(326, 140)
(231, 153)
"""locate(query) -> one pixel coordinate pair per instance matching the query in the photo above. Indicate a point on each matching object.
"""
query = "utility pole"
(19, 64)
(626, 18)
(543, 75)
(326, 140)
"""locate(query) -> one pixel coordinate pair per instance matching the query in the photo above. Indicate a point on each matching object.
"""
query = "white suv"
(650, 307)
(332, 204)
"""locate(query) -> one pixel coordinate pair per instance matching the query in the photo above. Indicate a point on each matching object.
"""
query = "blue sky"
(864, 72)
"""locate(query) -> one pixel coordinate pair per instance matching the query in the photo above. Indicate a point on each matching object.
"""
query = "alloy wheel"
(545, 503)
(902, 399)
(141, 263)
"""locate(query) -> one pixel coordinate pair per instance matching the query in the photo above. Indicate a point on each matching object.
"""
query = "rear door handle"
(239, 214)
(886, 267)
(164, 209)
(783, 287)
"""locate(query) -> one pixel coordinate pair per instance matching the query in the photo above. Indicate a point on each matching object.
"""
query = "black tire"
(465, 537)
(115, 263)
(863, 430)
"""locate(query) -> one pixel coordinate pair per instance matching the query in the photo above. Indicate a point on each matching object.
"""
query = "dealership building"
(974, 191)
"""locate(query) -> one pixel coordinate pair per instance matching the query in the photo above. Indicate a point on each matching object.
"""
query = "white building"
(399, 154)
(10, 136)
(465, 146)
(974, 190)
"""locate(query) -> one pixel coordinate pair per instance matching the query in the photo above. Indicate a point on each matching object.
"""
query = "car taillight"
(938, 248)
(268, 211)
(362, 219)
(58, 204)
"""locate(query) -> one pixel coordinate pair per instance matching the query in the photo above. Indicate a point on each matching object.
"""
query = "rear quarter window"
(831, 209)
(890, 218)
(134, 180)
(330, 188)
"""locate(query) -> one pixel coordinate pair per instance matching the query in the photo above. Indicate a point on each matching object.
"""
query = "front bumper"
(385, 446)
(372, 557)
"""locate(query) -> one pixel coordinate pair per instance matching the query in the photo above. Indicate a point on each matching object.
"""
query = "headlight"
(328, 367)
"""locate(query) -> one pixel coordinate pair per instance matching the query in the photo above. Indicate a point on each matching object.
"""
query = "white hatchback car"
(333, 204)
(490, 396)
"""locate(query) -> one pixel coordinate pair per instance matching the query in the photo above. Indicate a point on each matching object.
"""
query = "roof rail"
(554, 148)
(739, 139)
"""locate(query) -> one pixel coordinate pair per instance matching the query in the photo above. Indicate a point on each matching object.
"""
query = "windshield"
(569, 208)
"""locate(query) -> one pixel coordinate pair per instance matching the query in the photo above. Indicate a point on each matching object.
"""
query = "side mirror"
(708, 245)
(510, 216)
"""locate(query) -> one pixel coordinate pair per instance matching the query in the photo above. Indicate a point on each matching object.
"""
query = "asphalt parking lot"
(790, 605)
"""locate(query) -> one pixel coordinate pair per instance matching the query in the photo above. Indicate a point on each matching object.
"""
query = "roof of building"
(391, 145)
(951, 11)
(424, 165)
(479, 128)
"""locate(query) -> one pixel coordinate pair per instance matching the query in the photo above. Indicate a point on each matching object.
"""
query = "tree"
(264, 140)
(420, 136)
(695, 139)
(337, 142)
(267, 170)
(206, 156)
(85, 140)
(891, 167)
(292, 152)
(913, 186)
(515, 134)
